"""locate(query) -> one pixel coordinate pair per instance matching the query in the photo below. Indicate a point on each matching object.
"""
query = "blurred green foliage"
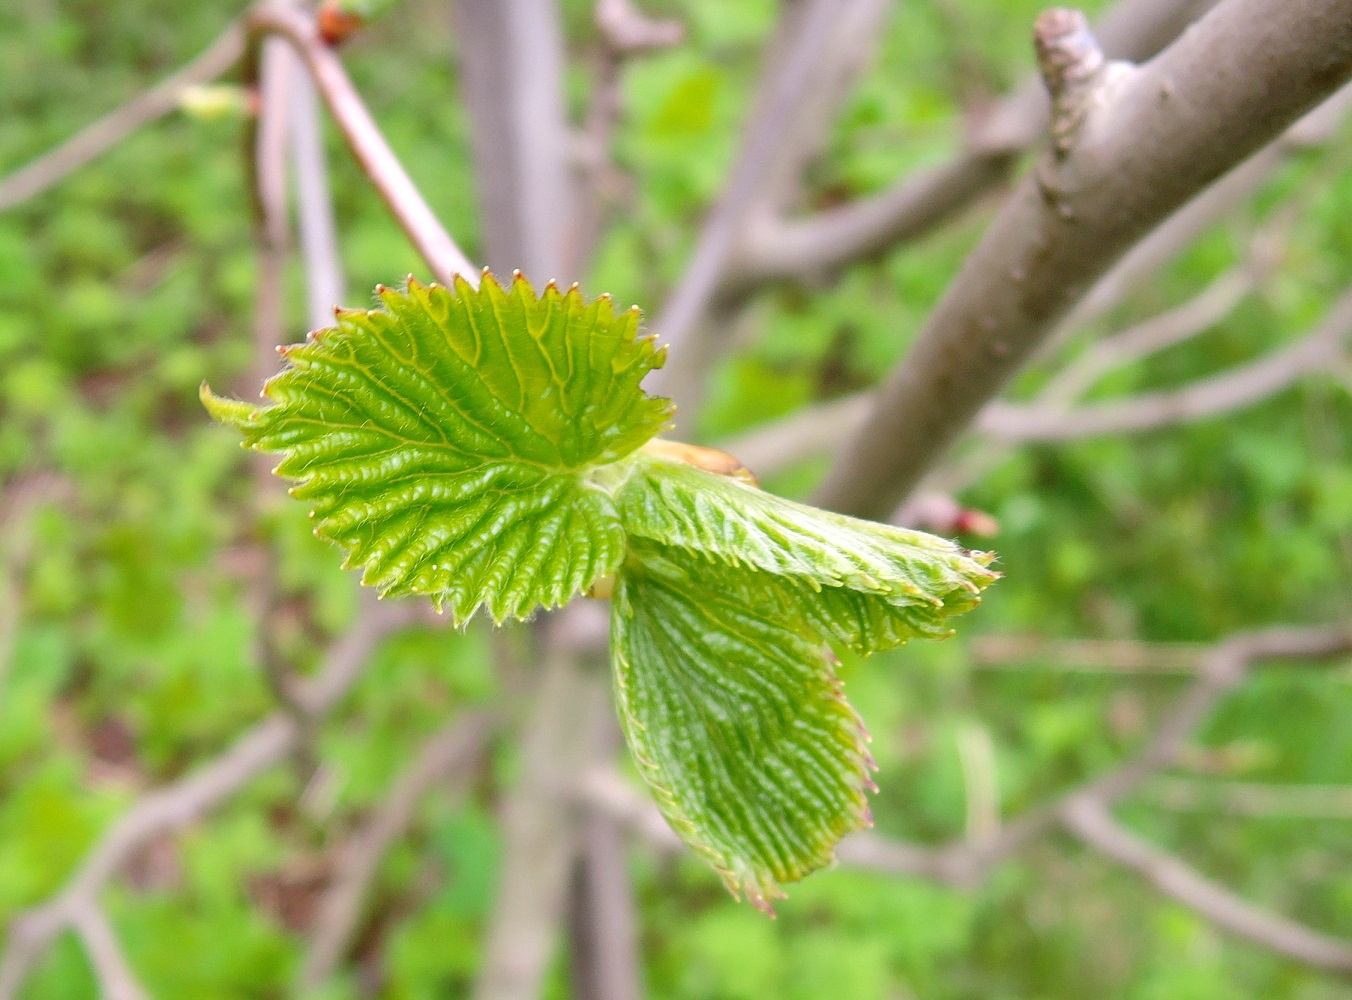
(135, 652)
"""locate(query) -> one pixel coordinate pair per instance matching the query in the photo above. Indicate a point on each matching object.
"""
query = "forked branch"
(1149, 139)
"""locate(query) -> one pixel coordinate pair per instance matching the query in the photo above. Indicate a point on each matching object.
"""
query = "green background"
(133, 659)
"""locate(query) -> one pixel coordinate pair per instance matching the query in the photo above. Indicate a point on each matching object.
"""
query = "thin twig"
(783, 92)
(111, 970)
(448, 756)
(1167, 329)
(1094, 825)
(1251, 799)
(624, 33)
(325, 284)
(187, 800)
(378, 162)
(1236, 389)
(102, 135)
(1095, 655)
(965, 863)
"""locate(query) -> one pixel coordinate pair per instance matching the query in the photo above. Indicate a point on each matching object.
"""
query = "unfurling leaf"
(722, 626)
(456, 442)
(723, 516)
(492, 448)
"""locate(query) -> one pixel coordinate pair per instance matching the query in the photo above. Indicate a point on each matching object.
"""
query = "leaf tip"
(232, 412)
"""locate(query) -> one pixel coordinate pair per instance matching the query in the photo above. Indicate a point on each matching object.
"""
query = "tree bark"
(1131, 145)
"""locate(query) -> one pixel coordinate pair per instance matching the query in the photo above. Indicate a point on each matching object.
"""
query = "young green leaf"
(461, 443)
(730, 704)
(720, 636)
(679, 504)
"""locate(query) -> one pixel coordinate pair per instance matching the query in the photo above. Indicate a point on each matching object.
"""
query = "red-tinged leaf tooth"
(574, 287)
(413, 284)
(762, 904)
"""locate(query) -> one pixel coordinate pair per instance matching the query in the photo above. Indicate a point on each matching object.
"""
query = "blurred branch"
(373, 154)
(560, 740)
(1133, 145)
(102, 135)
(1238, 388)
(785, 86)
(189, 799)
(627, 30)
(111, 971)
(267, 141)
(1098, 655)
(1093, 824)
(812, 246)
(624, 33)
(604, 945)
(965, 863)
(1167, 329)
(325, 285)
(447, 755)
(511, 62)
(1240, 798)
(818, 430)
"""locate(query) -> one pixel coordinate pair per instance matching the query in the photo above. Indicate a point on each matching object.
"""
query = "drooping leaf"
(729, 701)
(676, 503)
(462, 443)
(724, 675)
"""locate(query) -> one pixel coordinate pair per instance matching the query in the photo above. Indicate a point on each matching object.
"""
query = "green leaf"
(732, 709)
(676, 503)
(464, 443)
(723, 617)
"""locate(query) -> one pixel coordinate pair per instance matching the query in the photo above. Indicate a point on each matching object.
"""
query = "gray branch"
(186, 801)
(966, 863)
(372, 153)
(446, 757)
(540, 828)
(511, 58)
(1146, 141)
(817, 245)
(108, 131)
(1095, 826)
(786, 85)
(1241, 387)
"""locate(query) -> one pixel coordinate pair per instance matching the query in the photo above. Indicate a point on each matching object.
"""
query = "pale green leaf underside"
(452, 440)
(725, 518)
(730, 704)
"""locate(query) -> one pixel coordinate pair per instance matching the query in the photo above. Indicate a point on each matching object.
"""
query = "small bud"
(212, 102)
(337, 22)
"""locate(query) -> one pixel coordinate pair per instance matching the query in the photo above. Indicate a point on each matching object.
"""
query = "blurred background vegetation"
(129, 635)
